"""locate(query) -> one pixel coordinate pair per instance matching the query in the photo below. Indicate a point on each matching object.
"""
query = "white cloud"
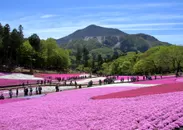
(114, 19)
(117, 17)
(48, 16)
(159, 17)
(128, 6)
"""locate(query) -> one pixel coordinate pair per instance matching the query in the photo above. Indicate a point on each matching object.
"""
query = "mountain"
(105, 41)
(91, 31)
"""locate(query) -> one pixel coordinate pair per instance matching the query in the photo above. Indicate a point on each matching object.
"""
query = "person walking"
(16, 92)
(31, 91)
(128, 78)
(57, 88)
(26, 91)
(100, 82)
(10, 93)
(76, 84)
(40, 90)
(36, 90)
(2, 97)
(80, 86)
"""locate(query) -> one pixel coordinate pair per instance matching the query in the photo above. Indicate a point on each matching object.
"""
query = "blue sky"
(57, 18)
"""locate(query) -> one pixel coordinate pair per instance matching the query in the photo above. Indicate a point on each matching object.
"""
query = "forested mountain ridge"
(95, 37)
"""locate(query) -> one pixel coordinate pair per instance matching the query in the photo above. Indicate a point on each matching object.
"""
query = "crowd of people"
(28, 89)
(90, 83)
(59, 79)
(2, 97)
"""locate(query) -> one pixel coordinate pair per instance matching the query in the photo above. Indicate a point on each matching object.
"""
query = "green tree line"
(156, 60)
(31, 52)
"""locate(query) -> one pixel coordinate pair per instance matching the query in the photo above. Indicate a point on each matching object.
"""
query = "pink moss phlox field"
(74, 110)
(11, 100)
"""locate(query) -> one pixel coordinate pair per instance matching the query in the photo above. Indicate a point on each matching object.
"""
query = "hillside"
(99, 38)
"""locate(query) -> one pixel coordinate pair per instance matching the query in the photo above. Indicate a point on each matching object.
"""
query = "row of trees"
(32, 52)
(157, 60)
(91, 62)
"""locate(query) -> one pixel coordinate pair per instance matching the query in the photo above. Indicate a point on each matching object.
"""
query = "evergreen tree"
(21, 35)
(78, 55)
(6, 43)
(85, 56)
(1, 31)
(35, 41)
(1, 44)
(99, 60)
(16, 42)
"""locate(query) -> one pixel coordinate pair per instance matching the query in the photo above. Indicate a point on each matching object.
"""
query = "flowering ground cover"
(1, 74)
(75, 110)
(11, 100)
(164, 88)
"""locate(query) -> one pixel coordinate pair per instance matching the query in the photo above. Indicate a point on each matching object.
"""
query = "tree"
(125, 67)
(55, 57)
(35, 41)
(1, 42)
(85, 56)
(15, 44)
(106, 68)
(142, 67)
(175, 54)
(26, 53)
(99, 60)
(21, 35)
(115, 55)
(1, 31)
(78, 55)
(162, 59)
(6, 43)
